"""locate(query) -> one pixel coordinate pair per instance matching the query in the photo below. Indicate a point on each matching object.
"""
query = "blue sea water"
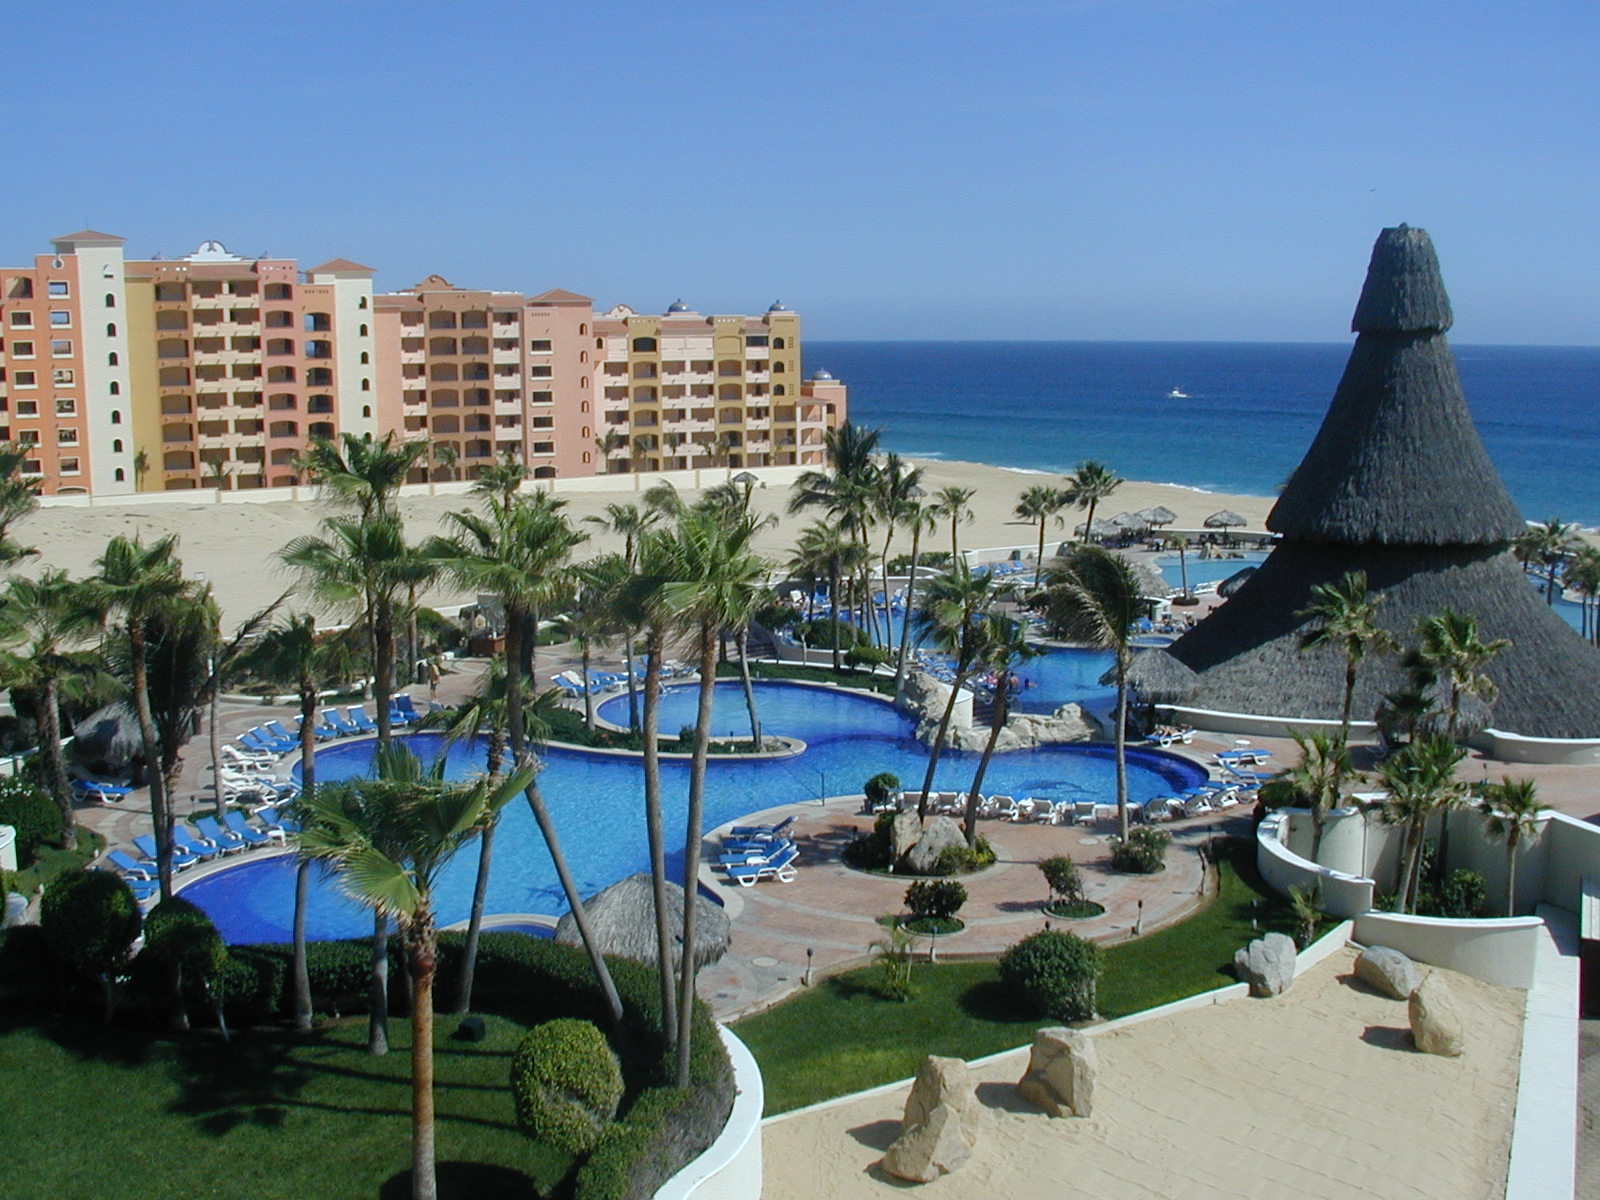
(1251, 412)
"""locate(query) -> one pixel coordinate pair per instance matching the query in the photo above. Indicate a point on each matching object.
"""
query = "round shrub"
(958, 860)
(859, 656)
(937, 898)
(870, 851)
(880, 787)
(90, 919)
(1055, 973)
(1144, 853)
(566, 1083)
(36, 817)
(1064, 879)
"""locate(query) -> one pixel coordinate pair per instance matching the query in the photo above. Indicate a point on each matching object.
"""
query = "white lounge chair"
(780, 867)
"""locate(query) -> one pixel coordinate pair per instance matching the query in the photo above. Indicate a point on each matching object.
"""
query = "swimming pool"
(1205, 570)
(597, 803)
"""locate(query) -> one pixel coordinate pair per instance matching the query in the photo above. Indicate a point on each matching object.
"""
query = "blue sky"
(1125, 169)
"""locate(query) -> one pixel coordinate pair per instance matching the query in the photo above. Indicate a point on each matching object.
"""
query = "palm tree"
(1317, 780)
(1040, 504)
(1346, 616)
(824, 552)
(1547, 545)
(630, 522)
(730, 505)
(1094, 598)
(612, 439)
(717, 585)
(1450, 646)
(519, 553)
(845, 490)
(1421, 780)
(501, 481)
(951, 616)
(183, 640)
(447, 456)
(41, 621)
(389, 839)
(920, 519)
(134, 582)
(1091, 483)
(896, 487)
(19, 496)
(291, 653)
(954, 502)
(1003, 643)
(592, 617)
(1511, 810)
(360, 472)
(141, 468)
(1583, 577)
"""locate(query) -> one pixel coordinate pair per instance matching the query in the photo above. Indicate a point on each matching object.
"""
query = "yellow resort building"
(212, 370)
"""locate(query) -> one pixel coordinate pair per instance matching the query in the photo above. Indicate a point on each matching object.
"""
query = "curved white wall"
(1513, 747)
(1343, 895)
(1500, 950)
(730, 1168)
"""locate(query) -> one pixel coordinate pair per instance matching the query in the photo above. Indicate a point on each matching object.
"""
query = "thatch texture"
(1397, 485)
(1226, 519)
(107, 741)
(1230, 586)
(623, 920)
(1248, 654)
(1158, 678)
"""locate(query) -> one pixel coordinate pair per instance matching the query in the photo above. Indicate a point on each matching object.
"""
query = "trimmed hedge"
(1055, 973)
(566, 1083)
(37, 817)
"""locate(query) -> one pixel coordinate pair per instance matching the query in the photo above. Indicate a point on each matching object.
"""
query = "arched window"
(365, 358)
(366, 410)
(583, 356)
(116, 445)
(116, 416)
(118, 475)
(583, 329)
(778, 390)
(777, 343)
(363, 303)
(363, 330)
(116, 388)
(112, 359)
(583, 405)
(644, 345)
(111, 331)
(777, 368)
(111, 300)
(585, 456)
(599, 343)
(366, 385)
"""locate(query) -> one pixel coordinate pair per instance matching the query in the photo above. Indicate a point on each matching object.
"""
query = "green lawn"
(882, 684)
(92, 1113)
(960, 1008)
(50, 861)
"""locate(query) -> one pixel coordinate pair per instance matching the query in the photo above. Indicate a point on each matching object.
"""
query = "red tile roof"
(559, 296)
(341, 264)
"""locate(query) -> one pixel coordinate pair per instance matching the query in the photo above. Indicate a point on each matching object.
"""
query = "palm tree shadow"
(480, 1181)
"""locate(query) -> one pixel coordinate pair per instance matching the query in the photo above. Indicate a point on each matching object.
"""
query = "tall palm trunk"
(588, 696)
(937, 749)
(515, 629)
(742, 640)
(1002, 710)
(1511, 871)
(55, 768)
(955, 543)
(633, 688)
(424, 963)
(1038, 562)
(214, 735)
(378, 988)
(160, 814)
(1122, 743)
(888, 609)
(301, 979)
(693, 833)
(911, 598)
(655, 644)
(480, 885)
(835, 590)
(1349, 700)
(383, 665)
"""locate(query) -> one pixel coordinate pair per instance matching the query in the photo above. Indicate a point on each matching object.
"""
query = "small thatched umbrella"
(1100, 529)
(1225, 520)
(1158, 678)
(1158, 516)
(623, 920)
(107, 741)
(1234, 582)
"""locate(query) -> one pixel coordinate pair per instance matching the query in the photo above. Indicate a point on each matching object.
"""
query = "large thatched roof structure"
(1396, 484)
(622, 918)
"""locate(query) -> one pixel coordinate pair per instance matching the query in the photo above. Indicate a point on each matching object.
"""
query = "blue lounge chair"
(780, 867)
(273, 817)
(276, 730)
(322, 731)
(144, 890)
(278, 743)
(222, 839)
(130, 866)
(753, 852)
(100, 793)
(202, 850)
(242, 829)
(180, 859)
(345, 727)
(765, 847)
(756, 831)
(401, 702)
(358, 717)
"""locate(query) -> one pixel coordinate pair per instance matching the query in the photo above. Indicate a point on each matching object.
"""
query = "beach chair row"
(274, 739)
(751, 853)
(204, 839)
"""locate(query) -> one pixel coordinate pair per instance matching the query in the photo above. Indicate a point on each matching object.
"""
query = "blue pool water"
(597, 805)
(1206, 570)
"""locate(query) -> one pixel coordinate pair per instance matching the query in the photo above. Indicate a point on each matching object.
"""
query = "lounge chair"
(222, 839)
(147, 846)
(346, 728)
(771, 831)
(273, 818)
(277, 743)
(201, 849)
(358, 717)
(754, 853)
(130, 866)
(275, 729)
(321, 730)
(144, 890)
(246, 761)
(98, 792)
(780, 867)
(242, 829)
(1196, 806)
(998, 807)
(401, 702)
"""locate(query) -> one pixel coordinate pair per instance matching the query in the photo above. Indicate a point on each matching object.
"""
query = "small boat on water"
(1176, 394)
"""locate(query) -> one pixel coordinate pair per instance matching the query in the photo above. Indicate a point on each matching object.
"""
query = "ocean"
(1250, 413)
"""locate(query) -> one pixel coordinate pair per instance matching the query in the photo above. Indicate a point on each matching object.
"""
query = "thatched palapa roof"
(1158, 678)
(1398, 485)
(622, 919)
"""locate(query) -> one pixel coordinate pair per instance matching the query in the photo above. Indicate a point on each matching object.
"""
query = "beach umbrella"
(1157, 516)
(623, 921)
(1158, 678)
(1234, 582)
(1128, 520)
(1100, 529)
(1226, 519)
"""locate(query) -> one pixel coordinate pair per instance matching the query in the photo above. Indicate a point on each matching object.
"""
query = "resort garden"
(568, 1069)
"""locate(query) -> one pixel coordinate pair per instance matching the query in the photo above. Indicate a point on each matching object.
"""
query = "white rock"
(1391, 972)
(1435, 1019)
(941, 1123)
(1061, 1072)
(1267, 964)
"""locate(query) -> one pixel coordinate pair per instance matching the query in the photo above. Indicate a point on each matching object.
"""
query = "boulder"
(904, 833)
(938, 835)
(1267, 964)
(1391, 972)
(941, 1123)
(1435, 1018)
(1061, 1072)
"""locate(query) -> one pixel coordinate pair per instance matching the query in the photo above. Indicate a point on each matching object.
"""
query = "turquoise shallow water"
(597, 802)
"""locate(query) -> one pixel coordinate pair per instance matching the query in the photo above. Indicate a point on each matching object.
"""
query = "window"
(115, 389)
(25, 379)
(58, 317)
(21, 349)
(544, 447)
(27, 408)
(61, 348)
(540, 345)
(365, 358)
(63, 377)
(366, 410)
(116, 416)
(111, 300)
(778, 390)
(541, 372)
(116, 445)
(539, 397)
(69, 466)
(756, 340)
(777, 343)
(66, 406)
(363, 303)
(66, 437)
(111, 331)
(585, 456)
(644, 345)
(22, 320)
(58, 287)
(28, 437)
(777, 368)
(119, 475)
(362, 332)
(112, 360)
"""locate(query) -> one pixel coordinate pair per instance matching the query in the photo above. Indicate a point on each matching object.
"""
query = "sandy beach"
(1316, 1093)
(234, 546)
